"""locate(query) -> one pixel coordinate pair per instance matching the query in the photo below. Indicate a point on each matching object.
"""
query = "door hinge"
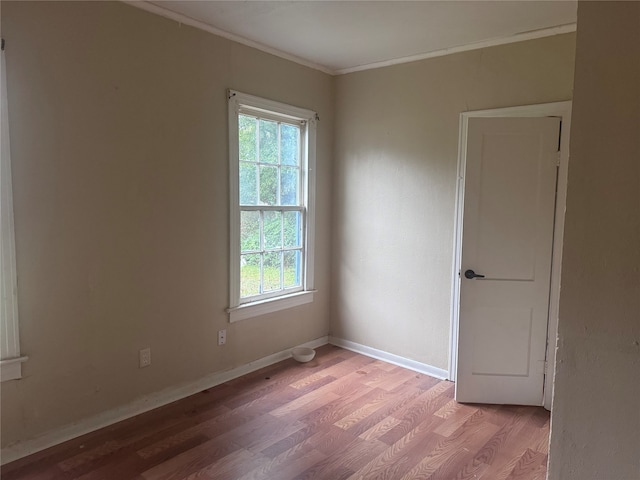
(558, 157)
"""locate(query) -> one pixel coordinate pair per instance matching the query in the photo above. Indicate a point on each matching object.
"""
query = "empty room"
(320, 240)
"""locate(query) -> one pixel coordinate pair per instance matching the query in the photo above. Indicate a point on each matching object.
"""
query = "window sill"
(255, 309)
(11, 368)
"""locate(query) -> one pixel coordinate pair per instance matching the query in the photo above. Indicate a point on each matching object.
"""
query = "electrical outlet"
(222, 337)
(145, 357)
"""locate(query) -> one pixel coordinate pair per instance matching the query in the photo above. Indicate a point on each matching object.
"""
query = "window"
(272, 156)
(10, 358)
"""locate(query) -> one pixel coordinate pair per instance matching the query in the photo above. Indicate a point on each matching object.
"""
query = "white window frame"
(263, 108)
(10, 358)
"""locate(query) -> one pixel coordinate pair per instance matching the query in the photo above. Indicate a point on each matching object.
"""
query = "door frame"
(556, 109)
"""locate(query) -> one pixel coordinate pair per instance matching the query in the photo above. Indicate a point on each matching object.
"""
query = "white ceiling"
(344, 36)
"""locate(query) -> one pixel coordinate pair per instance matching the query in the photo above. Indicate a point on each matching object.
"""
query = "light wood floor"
(341, 416)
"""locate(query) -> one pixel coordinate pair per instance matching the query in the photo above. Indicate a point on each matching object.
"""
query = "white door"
(507, 240)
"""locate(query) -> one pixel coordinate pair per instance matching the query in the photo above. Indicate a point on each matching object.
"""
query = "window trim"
(245, 103)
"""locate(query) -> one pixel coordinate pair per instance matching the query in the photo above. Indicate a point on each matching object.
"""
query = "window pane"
(290, 145)
(247, 138)
(248, 184)
(272, 270)
(249, 231)
(292, 229)
(268, 185)
(249, 274)
(292, 269)
(268, 142)
(272, 230)
(289, 186)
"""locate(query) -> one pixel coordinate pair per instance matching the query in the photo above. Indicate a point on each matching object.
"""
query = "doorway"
(560, 111)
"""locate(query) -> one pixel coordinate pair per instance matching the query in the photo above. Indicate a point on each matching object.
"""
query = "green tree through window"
(269, 176)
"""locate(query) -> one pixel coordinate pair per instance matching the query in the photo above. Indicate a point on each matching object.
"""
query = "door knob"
(470, 274)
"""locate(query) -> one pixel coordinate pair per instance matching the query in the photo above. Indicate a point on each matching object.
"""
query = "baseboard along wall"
(169, 395)
(407, 363)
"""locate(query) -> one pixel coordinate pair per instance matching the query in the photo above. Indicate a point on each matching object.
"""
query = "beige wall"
(119, 145)
(119, 150)
(395, 180)
(596, 409)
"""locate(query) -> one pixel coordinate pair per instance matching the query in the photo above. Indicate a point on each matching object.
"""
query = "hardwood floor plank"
(274, 379)
(472, 470)
(212, 427)
(455, 420)
(448, 409)
(333, 411)
(443, 391)
(527, 464)
(309, 380)
(29, 472)
(168, 443)
(330, 390)
(389, 367)
(393, 380)
(394, 403)
(496, 448)
(467, 439)
(500, 470)
(91, 455)
(304, 405)
(331, 440)
(379, 428)
(233, 465)
(358, 453)
(425, 382)
(294, 460)
(421, 432)
(343, 462)
(448, 448)
(539, 434)
(359, 366)
(249, 434)
(292, 468)
(122, 468)
(540, 473)
(417, 410)
(341, 416)
(364, 411)
(263, 443)
(191, 461)
(288, 442)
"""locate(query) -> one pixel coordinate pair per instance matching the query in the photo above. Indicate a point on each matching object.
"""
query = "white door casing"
(508, 224)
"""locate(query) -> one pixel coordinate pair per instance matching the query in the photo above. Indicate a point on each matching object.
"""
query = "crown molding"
(518, 37)
(186, 20)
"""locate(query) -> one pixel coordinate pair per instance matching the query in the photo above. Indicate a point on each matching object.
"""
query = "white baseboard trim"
(142, 405)
(391, 358)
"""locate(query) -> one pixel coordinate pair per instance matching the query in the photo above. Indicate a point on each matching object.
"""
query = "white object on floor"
(303, 354)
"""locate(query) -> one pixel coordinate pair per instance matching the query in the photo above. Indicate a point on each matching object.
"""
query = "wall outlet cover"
(145, 357)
